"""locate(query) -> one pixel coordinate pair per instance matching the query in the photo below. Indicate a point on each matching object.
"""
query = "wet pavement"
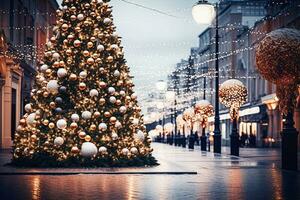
(183, 174)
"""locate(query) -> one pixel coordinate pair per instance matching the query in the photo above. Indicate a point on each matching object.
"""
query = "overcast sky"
(154, 43)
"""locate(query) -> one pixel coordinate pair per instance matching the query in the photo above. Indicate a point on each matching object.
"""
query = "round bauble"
(139, 136)
(80, 17)
(102, 127)
(125, 151)
(64, 27)
(102, 84)
(116, 73)
(58, 110)
(102, 150)
(58, 100)
(73, 125)
(118, 125)
(61, 72)
(58, 141)
(114, 136)
(62, 89)
(94, 93)
(107, 114)
(107, 21)
(114, 47)
(87, 138)
(77, 43)
(61, 124)
(111, 90)
(110, 59)
(113, 120)
(100, 48)
(134, 150)
(83, 74)
(122, 93)
(44, 67)
(30, 120)
(122, 109)
(112, 99)
(51, 125)
(75, 150)
(82, 86)
(88, 149)
(90, 61)
(28, 107)
(133, 96)
(55, 56)
(81, 134)
(52, 86)
(86, 115)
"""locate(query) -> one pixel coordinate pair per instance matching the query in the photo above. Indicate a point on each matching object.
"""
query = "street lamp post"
(203, 13)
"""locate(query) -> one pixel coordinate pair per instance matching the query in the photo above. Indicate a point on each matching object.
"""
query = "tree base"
(46, 161)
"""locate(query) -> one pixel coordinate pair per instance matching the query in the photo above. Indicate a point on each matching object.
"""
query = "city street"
(182, 174)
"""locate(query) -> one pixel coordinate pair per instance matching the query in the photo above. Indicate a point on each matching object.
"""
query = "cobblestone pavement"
(183, 174)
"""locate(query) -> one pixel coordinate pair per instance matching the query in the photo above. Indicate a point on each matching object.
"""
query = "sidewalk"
(182, 174)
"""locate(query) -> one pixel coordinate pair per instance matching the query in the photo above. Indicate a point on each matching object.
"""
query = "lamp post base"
(217, 142)
(203, 143)
(289, 146)
(234, 145)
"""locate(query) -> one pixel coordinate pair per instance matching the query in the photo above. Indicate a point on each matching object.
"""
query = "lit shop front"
(253, 126)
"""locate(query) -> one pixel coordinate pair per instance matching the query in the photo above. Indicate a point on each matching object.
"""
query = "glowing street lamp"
(204, 13)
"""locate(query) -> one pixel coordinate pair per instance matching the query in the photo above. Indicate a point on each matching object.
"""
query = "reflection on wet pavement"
(218, 177)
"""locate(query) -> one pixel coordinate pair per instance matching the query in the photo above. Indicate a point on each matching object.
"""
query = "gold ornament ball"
(118, 102)
(73, 17)
(93, 127)
(52, 105)
(75, 150)
(22, 121)
(65, 27)
(51, 125)
(87, 138)
(74, 125)
(77, 43)
(82, 86)
(69, 52)
(33, 137)
(107, 114)
(90, 44)
(110, 59)
(102, 84)
(90, 61)
(82, 134)
(113, 120)
(97, 114)
(102, 101)
(45, 94)
(86, 53)
(46, 122)
(73, 77)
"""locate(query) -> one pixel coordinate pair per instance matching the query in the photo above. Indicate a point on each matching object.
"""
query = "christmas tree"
(83, 110)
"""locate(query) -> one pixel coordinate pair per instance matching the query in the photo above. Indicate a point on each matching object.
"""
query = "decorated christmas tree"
(83, 109)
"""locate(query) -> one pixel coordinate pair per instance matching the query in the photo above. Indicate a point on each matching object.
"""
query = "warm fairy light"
(205, 110)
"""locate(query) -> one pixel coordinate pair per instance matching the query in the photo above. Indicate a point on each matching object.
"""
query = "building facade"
(242, 24)
(25, 26)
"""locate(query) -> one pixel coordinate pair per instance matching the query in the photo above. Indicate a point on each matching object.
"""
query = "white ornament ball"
(41, 79)
(100, 47)
(111, 90)
(116, 73)
(61, 72)
(88, 149)
(94, 93)
(133, 96)
(44, 67)
(65, 7)
(28, 107)
(114, 136)
(112, 99)
(140, 136)
(122, 109)
(55, 56)
(86, 115)
(61, 124)
(122, 93)
(102, 150)
(52, 86)
(114, 46)
(125, 151)
(58, 141)
(80, 17)
(118, 125)
(102, 127)
(83, 74)
(30, 119)
(75, 117)
(106, 21)
(134, 150)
